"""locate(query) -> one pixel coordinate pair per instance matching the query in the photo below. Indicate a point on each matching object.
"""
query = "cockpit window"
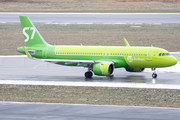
(164, 54)
(167, 54)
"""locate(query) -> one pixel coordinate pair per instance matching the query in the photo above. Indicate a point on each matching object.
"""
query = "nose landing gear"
(154, 75)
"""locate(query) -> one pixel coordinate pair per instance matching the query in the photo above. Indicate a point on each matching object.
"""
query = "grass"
(104, 6)
(164, 36)
(91, 95)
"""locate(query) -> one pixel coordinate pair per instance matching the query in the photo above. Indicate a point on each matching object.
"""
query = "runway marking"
(91, 84)
(35, 68)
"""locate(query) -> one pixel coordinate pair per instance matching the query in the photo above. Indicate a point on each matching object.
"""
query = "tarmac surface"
(94, 18)
(55, 111)
(22, 68)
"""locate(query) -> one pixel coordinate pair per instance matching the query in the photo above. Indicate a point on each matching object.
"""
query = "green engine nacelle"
(130, 69)
(103, 69)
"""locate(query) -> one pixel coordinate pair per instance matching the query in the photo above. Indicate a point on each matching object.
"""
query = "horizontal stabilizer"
(27, 53)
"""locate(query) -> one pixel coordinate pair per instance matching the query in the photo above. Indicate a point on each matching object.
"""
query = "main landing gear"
(154, 75)
(89, 73)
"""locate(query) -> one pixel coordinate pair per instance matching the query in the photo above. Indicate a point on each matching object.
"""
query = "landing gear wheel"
(88, 74)
(154, 75)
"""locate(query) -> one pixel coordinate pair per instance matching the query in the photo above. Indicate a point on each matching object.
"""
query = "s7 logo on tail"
(27, 35)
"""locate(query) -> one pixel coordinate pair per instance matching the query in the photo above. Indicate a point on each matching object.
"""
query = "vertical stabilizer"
(31, 35)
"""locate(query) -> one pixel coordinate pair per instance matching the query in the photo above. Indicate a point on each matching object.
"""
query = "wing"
(79, 62)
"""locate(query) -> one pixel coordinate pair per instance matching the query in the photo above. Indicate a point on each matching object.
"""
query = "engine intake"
(103, 69)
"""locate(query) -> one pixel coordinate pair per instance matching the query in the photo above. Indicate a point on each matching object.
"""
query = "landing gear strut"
(154, 75)
(89, 73)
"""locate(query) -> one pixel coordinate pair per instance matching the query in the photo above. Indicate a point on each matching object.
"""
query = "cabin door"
(149, 55)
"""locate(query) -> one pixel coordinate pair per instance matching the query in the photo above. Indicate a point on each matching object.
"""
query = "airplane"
(99, 60)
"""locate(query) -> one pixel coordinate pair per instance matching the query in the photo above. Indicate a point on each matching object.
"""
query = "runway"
(21, 70)
(55, 111)
(94, 18)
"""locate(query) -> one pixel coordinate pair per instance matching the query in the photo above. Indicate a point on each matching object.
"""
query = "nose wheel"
(154, 75)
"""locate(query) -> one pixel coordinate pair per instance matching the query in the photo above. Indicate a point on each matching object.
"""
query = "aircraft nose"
(173, 61)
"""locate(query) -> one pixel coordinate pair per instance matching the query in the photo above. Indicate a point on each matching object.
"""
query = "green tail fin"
(31, 36)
